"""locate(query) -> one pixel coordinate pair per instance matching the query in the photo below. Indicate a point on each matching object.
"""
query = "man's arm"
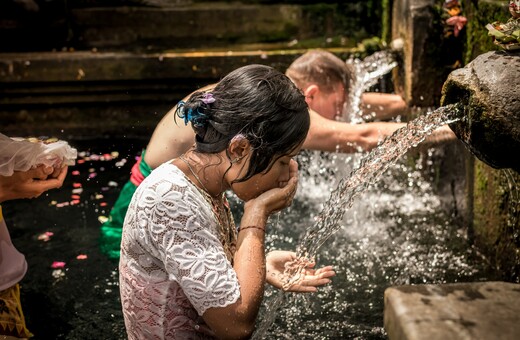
(383, 105)
(331, 136)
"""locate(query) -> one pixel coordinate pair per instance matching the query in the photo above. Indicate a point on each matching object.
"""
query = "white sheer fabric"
(12, 263)
(173, 266)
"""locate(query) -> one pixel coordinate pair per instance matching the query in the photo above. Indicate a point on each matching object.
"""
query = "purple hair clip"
(207, 98)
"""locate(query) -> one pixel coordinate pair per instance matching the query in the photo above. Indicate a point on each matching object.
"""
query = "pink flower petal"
(58, 264)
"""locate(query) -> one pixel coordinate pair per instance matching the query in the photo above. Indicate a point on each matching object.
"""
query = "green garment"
(112, 229)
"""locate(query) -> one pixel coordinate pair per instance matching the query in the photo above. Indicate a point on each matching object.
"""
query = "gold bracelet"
(252, 226)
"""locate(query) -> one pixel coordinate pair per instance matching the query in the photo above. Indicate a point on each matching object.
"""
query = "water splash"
(342, 198)
(367, 72)
(370, 169)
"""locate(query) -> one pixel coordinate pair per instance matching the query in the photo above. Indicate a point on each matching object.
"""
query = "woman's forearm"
(249, 266)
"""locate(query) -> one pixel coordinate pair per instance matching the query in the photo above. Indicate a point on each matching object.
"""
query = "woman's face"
(277, 177)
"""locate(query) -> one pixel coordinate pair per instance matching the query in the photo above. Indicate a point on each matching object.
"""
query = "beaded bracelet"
(252, 226)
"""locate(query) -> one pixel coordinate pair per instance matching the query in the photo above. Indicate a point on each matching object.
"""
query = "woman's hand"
(31, 183)
(276, 263)
(278, 198)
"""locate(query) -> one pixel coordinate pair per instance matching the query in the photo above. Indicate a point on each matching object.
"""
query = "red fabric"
(136, 177)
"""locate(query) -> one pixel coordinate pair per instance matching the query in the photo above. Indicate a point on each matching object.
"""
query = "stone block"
(428, 55)
(478, 310)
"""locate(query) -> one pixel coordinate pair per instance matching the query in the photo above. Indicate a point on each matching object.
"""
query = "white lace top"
(173, 265)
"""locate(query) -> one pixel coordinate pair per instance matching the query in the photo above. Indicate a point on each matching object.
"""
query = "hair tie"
(197, 118)
(180, 112)
(207, 98)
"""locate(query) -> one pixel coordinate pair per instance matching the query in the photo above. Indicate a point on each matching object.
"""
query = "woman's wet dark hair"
(257, 102)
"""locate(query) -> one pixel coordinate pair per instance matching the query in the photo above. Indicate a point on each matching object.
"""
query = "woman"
(185, 272)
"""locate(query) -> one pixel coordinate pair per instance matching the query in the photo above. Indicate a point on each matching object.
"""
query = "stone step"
(26, 76)
(111, 91)
(476, 310)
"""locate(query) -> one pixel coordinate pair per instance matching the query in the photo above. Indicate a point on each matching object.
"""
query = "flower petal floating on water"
(46, 236)
(102, 219)
(81, 257)
(58, 274)
(58, 264)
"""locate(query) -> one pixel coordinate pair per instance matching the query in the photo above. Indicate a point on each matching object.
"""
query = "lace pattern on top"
(173, 265)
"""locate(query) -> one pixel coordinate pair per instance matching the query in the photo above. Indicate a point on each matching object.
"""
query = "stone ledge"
(479, 310)
(112, 93)
(96, 66)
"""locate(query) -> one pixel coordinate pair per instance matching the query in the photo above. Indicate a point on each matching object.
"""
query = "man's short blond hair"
(321, 68)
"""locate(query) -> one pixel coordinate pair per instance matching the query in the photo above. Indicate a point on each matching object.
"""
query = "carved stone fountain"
(489, 87)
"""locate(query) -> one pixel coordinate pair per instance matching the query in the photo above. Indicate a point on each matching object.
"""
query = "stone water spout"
(489, 87)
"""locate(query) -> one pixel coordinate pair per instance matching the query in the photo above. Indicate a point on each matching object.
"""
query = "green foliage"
(482, 13)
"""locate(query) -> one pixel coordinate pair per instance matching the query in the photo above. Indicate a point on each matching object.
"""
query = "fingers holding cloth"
(29, 167)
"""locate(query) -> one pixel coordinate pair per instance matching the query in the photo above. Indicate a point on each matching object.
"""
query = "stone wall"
(496, 193)
(487, 198)
(496, 217)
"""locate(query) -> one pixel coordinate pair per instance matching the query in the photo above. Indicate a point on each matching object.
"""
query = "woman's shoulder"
(168, 177)
(165, 177)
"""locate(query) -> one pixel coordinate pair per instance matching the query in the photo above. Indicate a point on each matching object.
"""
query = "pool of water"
(396, 233)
